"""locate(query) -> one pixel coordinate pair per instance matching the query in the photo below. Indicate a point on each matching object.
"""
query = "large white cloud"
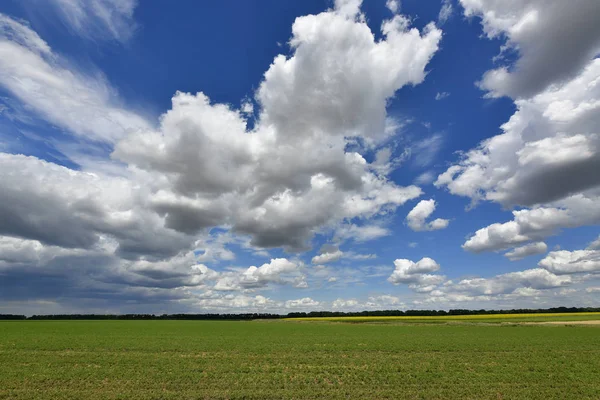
(548, 151)
(536, 223)
(548, 154)
(339, 78)
(554, 41)
(279, 183)
(570, 262)
(271, 272)
(278, 271)
(291, 175)
(546, 159)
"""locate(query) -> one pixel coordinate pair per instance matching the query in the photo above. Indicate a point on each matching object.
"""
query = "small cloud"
(412, 245)
(425, 151)
(420, 275)
(441, 95)
(393, 5)
(426, 178)
(393, 125)
(445, 12)
(531, 249)
(301, 303)
(355, 256)
(327, 257)
(300, 283)
(329, 253)
(262, 253)
(416, 218)
(595, 245)
(362, 233)
(567, 292)
(247, 107)
(384, 162)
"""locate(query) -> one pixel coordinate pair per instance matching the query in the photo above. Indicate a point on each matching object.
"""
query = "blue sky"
(283, 156)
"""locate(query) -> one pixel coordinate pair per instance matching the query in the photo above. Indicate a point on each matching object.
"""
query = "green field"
(291, 359)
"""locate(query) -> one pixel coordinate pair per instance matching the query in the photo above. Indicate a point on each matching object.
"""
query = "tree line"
(252, 316)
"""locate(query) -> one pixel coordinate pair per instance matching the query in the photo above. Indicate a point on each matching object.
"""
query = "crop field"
(483, 318)
(299, 360)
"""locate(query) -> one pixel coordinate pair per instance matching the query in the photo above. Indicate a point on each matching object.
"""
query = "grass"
(285, 359)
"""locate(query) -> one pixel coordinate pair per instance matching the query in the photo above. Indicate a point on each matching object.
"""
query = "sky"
(270, 156)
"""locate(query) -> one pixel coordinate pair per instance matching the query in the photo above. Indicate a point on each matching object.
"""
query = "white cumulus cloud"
(531, 249)
(554, 42)
(416, 218)
(290, 175)
(303, 303)
(570, 262)
(327, 257)
(417, 275)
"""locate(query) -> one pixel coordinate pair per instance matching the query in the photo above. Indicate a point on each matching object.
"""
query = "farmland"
(463, 357)
(474, 318)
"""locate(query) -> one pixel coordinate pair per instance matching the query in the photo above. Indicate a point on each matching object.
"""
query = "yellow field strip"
(448, 317)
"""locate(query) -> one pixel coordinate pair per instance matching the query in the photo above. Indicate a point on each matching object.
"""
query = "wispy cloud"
(424, 152)
(83, 104)
(445, 12)
(98, 19)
